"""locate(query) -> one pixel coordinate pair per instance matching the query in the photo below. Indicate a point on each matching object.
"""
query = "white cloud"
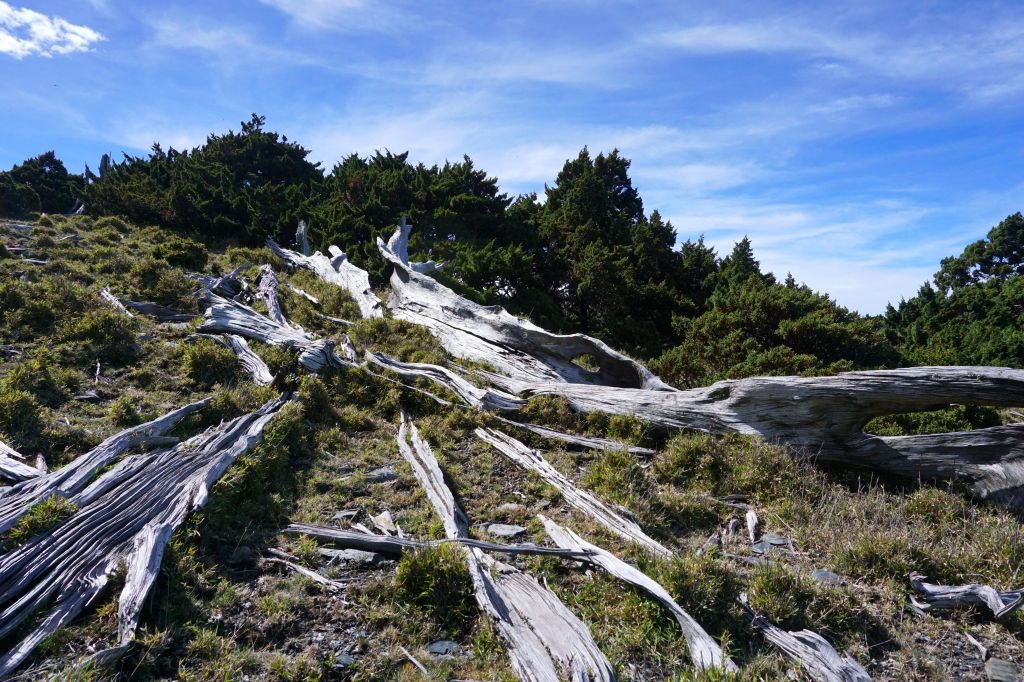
(341, 15)
(25, 32)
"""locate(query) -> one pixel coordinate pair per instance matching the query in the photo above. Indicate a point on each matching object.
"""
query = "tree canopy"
(585, 257)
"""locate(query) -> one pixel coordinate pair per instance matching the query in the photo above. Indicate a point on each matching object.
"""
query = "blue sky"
(855, 144)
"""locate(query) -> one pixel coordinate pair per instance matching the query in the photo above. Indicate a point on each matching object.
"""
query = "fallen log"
(266, 291)
(588, 442)
(337, 270)
(541, 633)
(704, 650)
(124, 517)
(73, 478)
(825, 416)
(398, 243)
(392, 545)
(597, 510)
(227, 285)
(815, 655)
(946, 597)
(251, 363)
(226, 316)
(488, 334)
(114, 302)
(13, 466)
(480, 398)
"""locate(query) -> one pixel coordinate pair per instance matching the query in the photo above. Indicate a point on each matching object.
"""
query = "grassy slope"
(219, 613)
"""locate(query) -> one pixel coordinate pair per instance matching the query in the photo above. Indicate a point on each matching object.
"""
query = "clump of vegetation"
(19, 417)
(39, 518)
(794, 601)
(182, 252)
(207, 363)
(437, 581)
(106, 335)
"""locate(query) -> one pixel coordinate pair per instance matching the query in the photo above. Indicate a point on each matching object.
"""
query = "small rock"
(504, 530)
(385, 522)
(999, 670)
(823, 575)
(243, 556)
(343, 660)
(775, 539)
(510, 507)
(90, 396)
(382, 475)
(353, 556)
(444, 647)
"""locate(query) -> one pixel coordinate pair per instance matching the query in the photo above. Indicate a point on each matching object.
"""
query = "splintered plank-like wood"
(337, 270)
(815, 655)
(704, 650)
(544, 638)
(124, 517)
(587, 503)
(488, 334)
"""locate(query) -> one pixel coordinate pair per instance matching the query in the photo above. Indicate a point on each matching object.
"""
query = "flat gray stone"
(504, 530)
(382, 474)
(823, 575)
(353, 556)
(999, 670)
(444, 647)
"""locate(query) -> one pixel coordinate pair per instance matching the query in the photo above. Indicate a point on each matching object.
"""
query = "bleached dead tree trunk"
(337, 270)
(825, 417)
(124, 517)
(541, 633)
(488, 334)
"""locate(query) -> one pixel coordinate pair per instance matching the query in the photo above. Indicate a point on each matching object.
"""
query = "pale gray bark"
(226, 316)
(13, 466)
(73, 478)
(543, 636)
(251, 363)
(391, 545)
(945, 597)
(704, 650)
(125, 516)
(587, 503)
(815, 655)
(301, 238)
(480, 398)
(159, 312)
(114, 302)
(337, 270)
(514, 347)
(825, 416)
(589, 442)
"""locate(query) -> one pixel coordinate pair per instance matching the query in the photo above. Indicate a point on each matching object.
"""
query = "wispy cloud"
(973, 57)
(341, 15)
(25, 32)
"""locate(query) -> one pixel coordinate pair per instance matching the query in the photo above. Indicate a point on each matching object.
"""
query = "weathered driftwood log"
(301, 238)
(399, 245)
(391, 545)
(531, 460)
(228, 285)
(589, 442)
(481, 398)
(226, 316)
(114, 302)
(541, 633)
(266, 291)
(251, 363)
(704, 650)
(946, 597)
(338, 271)
(73, 478)
(13, 466)
(825, 417)
(124, 517)
(815, 655)
(303, 293)
(488, 334)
